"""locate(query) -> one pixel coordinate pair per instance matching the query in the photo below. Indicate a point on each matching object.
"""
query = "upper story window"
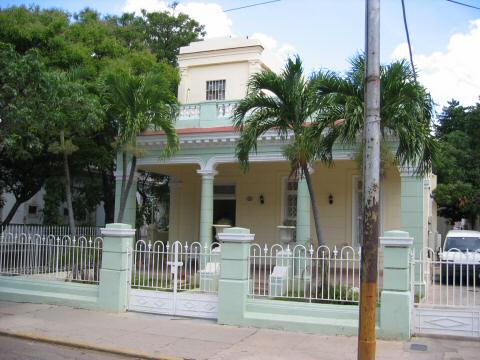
(216, 90)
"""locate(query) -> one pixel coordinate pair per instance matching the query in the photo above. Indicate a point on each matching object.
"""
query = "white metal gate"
(446, 289)
(175, 279)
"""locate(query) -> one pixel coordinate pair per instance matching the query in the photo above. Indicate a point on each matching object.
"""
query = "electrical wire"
(463, 4)
(408, 40)
(251, 5)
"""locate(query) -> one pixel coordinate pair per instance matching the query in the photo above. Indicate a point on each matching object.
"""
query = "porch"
(266, 197)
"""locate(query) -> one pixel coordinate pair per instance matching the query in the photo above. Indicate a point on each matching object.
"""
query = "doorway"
(224, 205)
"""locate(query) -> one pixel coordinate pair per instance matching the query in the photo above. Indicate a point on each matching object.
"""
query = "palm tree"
(286, 103)
(406, 112)
(137, 102)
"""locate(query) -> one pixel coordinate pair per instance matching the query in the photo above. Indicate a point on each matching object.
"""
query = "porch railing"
(322, 275)
(51, 257)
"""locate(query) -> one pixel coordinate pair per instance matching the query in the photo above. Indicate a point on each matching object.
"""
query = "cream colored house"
(207, 185)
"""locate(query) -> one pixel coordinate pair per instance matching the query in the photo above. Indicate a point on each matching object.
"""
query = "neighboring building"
(207, 186)
(31, 211)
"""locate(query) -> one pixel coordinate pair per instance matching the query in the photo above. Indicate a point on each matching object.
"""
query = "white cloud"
(454, 72)
(217, 23)
(275, 54)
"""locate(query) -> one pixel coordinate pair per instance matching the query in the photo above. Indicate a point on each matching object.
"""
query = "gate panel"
(446, 289)
(175, 279)
(447, 321)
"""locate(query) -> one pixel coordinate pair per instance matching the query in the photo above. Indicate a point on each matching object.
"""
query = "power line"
(408, 40)
(251, 5)
(463, 4)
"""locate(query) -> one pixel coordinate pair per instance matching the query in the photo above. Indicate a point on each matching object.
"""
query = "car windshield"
(463, 243)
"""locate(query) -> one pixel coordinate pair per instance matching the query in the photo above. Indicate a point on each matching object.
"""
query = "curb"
(86, 346)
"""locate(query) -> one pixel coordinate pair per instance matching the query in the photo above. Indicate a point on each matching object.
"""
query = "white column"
(206, 206)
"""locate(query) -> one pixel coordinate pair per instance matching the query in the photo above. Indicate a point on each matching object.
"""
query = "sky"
(445, 37)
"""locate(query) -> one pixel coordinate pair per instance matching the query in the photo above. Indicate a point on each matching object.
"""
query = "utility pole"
(371, 184)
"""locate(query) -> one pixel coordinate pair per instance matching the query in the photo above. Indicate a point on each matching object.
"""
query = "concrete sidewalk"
(162, 336)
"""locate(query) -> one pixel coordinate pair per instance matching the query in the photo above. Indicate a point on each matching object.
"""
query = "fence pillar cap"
(117, 230)
(236, 234)
(396, 238)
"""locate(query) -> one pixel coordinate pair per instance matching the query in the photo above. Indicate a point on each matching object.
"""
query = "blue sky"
(325, 33)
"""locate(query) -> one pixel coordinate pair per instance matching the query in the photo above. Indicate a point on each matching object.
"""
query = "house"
(208, 187)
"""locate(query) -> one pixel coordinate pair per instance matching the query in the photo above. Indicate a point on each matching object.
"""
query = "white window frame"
(285, 193)
(218, 90)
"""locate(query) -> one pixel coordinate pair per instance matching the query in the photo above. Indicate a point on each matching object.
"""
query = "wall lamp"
(330, 199)
(262, 199)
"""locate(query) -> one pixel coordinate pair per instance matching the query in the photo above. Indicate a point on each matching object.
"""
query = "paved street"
(197, 339)
(19, 349)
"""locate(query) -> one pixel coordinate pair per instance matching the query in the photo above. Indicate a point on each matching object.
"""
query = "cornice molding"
(209, 139)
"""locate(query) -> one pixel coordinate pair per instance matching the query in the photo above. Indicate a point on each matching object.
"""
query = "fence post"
(234, 273)
(113, 287)
(396, 301)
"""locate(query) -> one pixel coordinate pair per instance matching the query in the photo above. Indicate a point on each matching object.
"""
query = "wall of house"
(195, 78)
(268, 179)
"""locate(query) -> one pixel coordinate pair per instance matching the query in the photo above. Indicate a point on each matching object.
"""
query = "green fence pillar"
(303, 213)
(113, 288)
(234, 270)
(396, 301)
(206, 207)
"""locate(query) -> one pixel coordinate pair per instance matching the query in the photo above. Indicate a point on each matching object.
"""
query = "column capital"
(311, 170)
(207, 174)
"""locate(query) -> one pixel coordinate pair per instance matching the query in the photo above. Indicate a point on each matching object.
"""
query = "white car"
(460, 256)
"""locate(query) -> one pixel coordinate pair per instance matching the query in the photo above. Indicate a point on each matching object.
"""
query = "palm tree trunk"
(68, 195)
(124, 171)
(126, 189)
(313, 202)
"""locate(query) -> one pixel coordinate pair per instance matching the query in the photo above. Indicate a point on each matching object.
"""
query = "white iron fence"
(51, 257)
(175, 267)
(50, 230)
(451, 278)
(321, 275)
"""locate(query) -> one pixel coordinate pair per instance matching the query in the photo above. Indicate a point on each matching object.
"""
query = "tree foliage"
(287, 104)
(137, 102)
(25, 161)
(458, 164)
(406, 111)
(82, 48)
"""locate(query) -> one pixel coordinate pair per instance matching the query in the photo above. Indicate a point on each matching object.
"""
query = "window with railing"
(215, 90)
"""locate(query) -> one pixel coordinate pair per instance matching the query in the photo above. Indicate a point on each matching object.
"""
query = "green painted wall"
(18, 289)
(412, 206)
